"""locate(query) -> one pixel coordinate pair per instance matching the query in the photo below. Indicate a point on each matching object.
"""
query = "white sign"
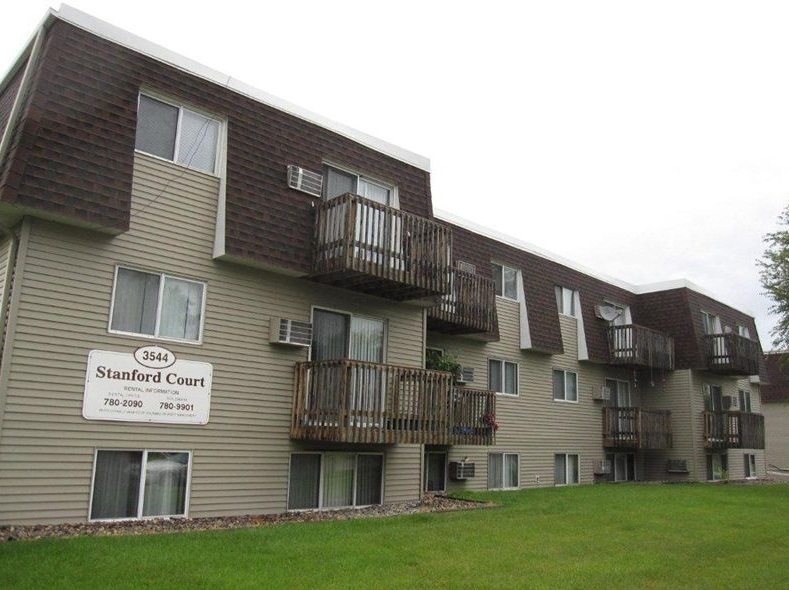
(150, 385)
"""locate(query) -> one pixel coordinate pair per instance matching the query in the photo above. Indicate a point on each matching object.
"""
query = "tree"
(774, 274)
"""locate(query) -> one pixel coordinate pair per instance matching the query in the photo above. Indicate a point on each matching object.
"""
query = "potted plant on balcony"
(445, 361)
(489, 420)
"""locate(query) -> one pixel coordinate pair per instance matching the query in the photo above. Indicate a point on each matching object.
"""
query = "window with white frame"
(749, 460)
(177, 134)
(335, 480)
(506, 281)
(565, 301)
(157, 305)
(744, 331)
(711, 323)
(565, 386)
(503, 376)
(338, 182)
(565, 467)
(745, 400)
(502, 471)
(139, 484)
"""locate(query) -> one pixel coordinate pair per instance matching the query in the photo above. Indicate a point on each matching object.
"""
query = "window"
(503, 376)
(713, 398)
(717, 467)
(177, 134)
(334, 480)
(619, 393)
(338, 182)
(139, 484)
(749, 466)
(712, 323)
(337, 335)
(565, 386)
(435, 471)
(744, 331)
(623, 466)
(158, 305)
(565, 301)
(506, 280)
(502, 471)
(565, 467)
(745, 400)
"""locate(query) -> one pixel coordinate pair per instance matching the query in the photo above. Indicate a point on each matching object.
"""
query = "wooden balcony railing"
(637, 346)
(733, 430)
(469, 307)
(369, 247)
(358, 402)
(732, 354)
(637, 428)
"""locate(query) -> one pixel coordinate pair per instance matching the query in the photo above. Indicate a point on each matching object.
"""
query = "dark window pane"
(157, 124)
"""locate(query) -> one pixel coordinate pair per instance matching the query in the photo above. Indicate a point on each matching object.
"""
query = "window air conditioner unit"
(602, 394)
(290, 332)
(465, 375)
(467, 267)
(305, 181)
(460, 470)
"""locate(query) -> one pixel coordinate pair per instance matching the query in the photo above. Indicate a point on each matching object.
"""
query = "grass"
(605, 536)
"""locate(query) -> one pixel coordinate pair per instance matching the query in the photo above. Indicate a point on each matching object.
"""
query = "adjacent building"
(217, 303)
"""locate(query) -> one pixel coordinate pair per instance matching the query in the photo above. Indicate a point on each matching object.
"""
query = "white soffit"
(117, 35)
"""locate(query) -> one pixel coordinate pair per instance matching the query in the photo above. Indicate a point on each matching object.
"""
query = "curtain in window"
(338, 183)
(136, 300)
(510, 471)
(510, 378)
(494, 376)
(374, 192)
(560, 470)
(495, 470)
(157, 124)
(329, 335)
(338, 480)
(367, 344)
(571, 386)
(572, 468)
(369, 476)
(182, 306)
(304, 485)
(116, 485)
(165, 484)
(197, 141)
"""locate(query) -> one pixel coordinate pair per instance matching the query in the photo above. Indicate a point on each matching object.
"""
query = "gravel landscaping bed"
(431, 503)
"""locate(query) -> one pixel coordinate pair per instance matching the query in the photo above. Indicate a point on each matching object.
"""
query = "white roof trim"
(537, 251)
(117, 35)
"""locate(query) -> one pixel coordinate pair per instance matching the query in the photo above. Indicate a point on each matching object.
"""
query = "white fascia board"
(542, 253)
(121, 37)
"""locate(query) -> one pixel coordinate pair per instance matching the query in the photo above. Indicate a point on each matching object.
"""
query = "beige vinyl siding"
(776, 426)
(240, 458)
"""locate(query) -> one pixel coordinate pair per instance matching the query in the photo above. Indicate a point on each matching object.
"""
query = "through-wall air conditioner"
(290, 332)
(305, 181)
(602, 394)
(467, 267)
(460, 470)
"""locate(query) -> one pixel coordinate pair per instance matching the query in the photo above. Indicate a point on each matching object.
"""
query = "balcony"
(733, 430)
(369, 247)
(732, 354)
(358, 402)
(636, 428)
(637, 346)
(469, 307)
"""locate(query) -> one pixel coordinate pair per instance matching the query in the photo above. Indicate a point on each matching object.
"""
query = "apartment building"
(217, 303)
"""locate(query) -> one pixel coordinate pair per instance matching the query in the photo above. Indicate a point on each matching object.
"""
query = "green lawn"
(604, 536)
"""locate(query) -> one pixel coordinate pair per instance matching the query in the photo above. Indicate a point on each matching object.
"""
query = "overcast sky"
(648, 141)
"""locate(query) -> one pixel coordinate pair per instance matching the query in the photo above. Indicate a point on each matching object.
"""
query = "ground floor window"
(566, 470)
(139, 484)
(623, 466)
(435, 471)
(502, 471)
(334, 480)
(750, 465)
(717, 467)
